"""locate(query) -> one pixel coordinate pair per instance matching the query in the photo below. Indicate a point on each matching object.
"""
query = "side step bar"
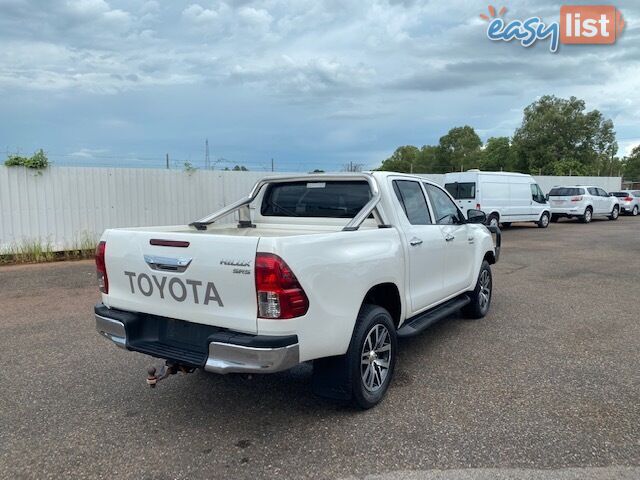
(421, 321)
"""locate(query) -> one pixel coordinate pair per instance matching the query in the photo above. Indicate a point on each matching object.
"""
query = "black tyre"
(493, 220)
(481, 295)
(506, 224)
(544, 220)
(615, 213)
(588, 215)
(554, 218)
(634, 212)
(371, 357)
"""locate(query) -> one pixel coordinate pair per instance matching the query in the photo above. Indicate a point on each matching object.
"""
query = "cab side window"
(413, 202)
(446, 212)
(536, 194)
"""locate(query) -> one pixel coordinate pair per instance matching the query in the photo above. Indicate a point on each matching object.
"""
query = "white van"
(505, 197)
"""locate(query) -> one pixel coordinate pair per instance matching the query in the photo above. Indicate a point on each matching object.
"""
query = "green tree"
(497, 155)
(402, 160)
(411, 159)
(560, 131)
(459, 149)
(632, 165)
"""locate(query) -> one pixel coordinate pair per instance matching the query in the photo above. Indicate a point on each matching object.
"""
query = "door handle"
(449, 237)
(415, 241)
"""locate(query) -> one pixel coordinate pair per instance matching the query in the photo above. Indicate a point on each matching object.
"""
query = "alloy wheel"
(375, 358)
(485, 290)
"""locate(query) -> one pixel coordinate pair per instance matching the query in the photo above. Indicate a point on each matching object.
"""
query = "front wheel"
(372, 356)
(614, 213)
(544, 220)
(481, 295)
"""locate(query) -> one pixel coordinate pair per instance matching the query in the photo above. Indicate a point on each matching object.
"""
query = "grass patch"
(38, 251)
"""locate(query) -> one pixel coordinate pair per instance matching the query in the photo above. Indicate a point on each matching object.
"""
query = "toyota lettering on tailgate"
(175, 287)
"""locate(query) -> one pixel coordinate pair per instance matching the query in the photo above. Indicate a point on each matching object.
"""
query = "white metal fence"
(64, 206)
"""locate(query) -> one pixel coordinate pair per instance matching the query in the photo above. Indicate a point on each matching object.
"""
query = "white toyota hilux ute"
(329, 268)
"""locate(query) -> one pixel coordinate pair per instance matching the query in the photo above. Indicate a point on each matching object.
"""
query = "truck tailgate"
(206, 279)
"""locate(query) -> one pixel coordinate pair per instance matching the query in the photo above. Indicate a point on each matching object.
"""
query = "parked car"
(329, 268)
(505, 197)
(629, 201)
(582, 202)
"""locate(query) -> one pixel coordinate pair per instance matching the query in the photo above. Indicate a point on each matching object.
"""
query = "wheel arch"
(387, 296)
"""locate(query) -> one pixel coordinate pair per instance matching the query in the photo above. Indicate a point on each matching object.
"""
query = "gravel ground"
(546, 386)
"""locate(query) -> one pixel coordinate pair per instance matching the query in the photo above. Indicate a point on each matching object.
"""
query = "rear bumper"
(626, 207)
(572, 211)
(201, 346)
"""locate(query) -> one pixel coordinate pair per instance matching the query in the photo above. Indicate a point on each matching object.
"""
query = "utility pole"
(207, 159)
(272, 165)
(167, 159)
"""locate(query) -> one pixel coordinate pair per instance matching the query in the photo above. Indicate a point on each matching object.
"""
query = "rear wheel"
(634, 212)
(614, 213)
(588, 215)
(544, 220)
(493, 220)
(372, 356)
(481, 295)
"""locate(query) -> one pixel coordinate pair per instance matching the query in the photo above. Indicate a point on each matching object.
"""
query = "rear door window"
(413, 203)
(462, 190)
(593, 191)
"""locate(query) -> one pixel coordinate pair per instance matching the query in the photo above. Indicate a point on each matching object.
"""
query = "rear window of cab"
(333, 199)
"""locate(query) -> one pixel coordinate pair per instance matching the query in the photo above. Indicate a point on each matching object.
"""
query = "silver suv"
(582, 202)
(629, 201)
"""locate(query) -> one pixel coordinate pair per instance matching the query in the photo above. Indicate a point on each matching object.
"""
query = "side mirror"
(476, 216)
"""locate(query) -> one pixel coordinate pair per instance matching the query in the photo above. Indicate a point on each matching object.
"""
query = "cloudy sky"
(310, 83)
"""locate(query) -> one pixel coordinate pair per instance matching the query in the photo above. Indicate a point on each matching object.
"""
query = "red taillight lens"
(478, 206)
(279, 293)
(576, 199)
(628, 199)
(101, 269)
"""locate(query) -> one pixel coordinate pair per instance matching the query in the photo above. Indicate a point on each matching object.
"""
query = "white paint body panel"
(335, 268)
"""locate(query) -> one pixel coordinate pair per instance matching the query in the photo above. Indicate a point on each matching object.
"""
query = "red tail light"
(628, 199)
(101, 269)
(576, 199)
(478, 206)
(279, 293)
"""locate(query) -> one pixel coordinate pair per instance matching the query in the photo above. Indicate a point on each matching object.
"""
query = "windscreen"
(566, 191)
(620, 194)
(462, 191)
(332, 199)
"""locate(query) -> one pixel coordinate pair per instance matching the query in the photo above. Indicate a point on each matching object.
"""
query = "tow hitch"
(169, 368)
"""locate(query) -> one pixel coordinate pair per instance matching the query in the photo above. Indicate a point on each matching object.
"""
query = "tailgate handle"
(167, 263)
